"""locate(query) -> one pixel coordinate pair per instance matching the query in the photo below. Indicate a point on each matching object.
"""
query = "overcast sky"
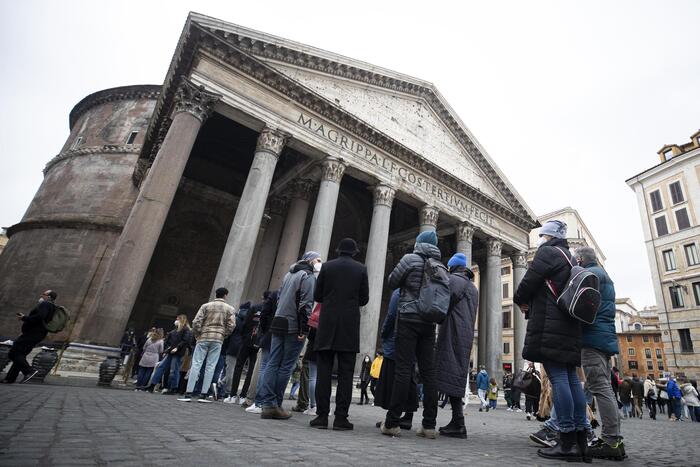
(569, 98)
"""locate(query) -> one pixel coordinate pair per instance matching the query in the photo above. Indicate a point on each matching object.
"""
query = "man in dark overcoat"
(454, 343)
(342, 288)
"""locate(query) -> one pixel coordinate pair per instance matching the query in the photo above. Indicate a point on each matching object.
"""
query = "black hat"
(347, 246)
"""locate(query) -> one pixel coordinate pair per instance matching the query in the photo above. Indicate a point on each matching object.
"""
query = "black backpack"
(580, 298)
(434, 297)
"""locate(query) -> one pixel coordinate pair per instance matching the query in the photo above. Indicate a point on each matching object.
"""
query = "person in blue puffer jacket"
(674, 397)
(598, 344)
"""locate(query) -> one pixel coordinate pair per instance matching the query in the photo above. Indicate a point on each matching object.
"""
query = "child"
(493, 393)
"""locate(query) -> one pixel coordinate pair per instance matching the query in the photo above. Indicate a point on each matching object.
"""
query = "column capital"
(332, 169)
(429, 215)
(277, 205)
(383, 195)
(272, 141)
(465, 232)
(493, 247)
(519, 260)
(195, 100)
(301, 188)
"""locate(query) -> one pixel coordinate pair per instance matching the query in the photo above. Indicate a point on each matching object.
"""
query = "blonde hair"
(182, 322)
(156, 335)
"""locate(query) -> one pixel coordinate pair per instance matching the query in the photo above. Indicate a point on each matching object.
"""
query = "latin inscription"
(439, 192)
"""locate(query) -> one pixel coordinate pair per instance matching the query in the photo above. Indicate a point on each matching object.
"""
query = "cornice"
(86, 151)
(122, 93)
(66, 223)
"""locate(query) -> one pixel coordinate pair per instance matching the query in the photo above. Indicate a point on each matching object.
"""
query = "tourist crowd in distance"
(311, 325)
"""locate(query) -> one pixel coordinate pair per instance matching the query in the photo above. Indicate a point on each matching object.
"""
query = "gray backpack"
(434, 297)
(580, 298)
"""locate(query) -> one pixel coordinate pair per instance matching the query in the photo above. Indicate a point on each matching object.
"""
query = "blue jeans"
(215, 378)
(284, 353)
(144, 376)
(677, 407)
(173, 362)
(313, 373)
(205, 351)
(264, 358)
(568, 398)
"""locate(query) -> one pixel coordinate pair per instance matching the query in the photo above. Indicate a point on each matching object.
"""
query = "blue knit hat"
(458, 259)
(429, 236)
(556, 229)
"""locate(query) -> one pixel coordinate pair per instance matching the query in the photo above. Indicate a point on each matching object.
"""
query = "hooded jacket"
(296, 297)
(482, 380)
(674, 392)
(408, 276)
(690, 395)
(600, 334)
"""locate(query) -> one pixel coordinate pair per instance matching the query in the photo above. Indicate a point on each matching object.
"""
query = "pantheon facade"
(253, 150)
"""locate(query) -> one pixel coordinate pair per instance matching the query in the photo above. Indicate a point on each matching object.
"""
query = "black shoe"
(566, 450)
(454, 429)
(545, 437)
(582, 442)
(320, 422)
(487, 409)
(31, 374)
(342, 424)
(297, 408)
(481, 409)
(602, 450)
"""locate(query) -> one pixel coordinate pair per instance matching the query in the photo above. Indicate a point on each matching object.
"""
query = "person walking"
(149, 359)
(454, 343)
(342, 288)
(599, 344)
(177, 343)
(674, 398)
(415, 339)
(33, 331)
(554, 338)
(288, 329)
(690, 396)
(364, 379)
(482, 388)
(626, 397)
(637, 396)
(212, 324)
(650, 396)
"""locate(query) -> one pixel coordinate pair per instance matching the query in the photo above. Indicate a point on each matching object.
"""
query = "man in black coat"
(342, 288)
(33, 332)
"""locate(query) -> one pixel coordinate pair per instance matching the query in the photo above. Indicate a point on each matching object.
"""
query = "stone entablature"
(87, 151)
(121, 93)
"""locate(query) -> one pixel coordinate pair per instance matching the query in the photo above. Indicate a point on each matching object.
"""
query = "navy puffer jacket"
(600, 335)
(408, 276)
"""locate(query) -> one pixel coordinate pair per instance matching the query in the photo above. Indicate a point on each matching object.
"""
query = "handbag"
(528, 383)
(315, 316)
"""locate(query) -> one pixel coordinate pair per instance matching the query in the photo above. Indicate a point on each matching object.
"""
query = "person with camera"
(33, 332)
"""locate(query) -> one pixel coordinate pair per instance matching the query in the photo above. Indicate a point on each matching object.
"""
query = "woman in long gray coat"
(454, 342)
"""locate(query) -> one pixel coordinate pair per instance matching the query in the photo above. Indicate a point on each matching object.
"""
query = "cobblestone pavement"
(61, 425)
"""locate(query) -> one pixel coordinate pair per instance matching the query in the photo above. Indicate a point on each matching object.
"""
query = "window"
(506, 319)
(629, 338)
(657, 339)
(691, 254)
(506, 347)
(632, 365)
(696, 292)
(676, 192)
(686, 340)
(660, 366)
(630, 351)
(676, 296)
(637, 326)
(682, 219)
(505, 290)
(132, 137)
(505, 271)
(669, 260)
(658, 353)
(647, 353)
(77, 142)
(661, 227)
(668, 155)
(656, 203)
(645, 338)
(650, 365)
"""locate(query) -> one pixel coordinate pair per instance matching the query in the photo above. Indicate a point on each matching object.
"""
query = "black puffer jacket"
(552, 336)
(408, 276)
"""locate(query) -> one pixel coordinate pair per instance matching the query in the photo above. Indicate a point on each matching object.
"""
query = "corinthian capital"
(277, 205)
(519, 260)
(493, 247)
(465, 232)
(272, 141)
(383, 195)
(301, 188)
(332, 169)
(194, 100)
(429, 215)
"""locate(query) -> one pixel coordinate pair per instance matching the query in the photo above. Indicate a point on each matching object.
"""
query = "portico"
(282, 149)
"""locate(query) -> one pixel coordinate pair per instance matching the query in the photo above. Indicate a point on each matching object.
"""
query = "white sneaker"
(518, 410)
(254, 409)
(241, 400)
(228, 400)
(310, 411)
(509, 409)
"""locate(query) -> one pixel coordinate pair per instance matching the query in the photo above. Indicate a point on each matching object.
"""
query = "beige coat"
(214, 321)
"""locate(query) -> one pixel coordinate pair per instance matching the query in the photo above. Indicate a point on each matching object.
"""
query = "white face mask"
(317, 267)
(176, 323)
(41, 299)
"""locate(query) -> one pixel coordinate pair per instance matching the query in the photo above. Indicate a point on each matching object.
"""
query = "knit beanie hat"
(429, 236)
(310, 256)
(458, 259)
(556, 229)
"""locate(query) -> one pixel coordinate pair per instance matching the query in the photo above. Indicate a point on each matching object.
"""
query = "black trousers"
(457, 414)
(532, 404)
(246, 353)
(303, 394)
(515, 398)
(373, 386)
(21, 347)
(414, 342)
(651, 405)
(364, 397)
(343, 392)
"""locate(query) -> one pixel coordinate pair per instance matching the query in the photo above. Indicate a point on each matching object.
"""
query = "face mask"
(317, 267)
(41, 299)
(176, 322)
(541, 241)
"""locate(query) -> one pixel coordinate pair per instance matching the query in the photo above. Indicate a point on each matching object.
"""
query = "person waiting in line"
(177, 343)
(253, 403)
(365, 379)
(150, 357)
(247, 353)
(230, 349)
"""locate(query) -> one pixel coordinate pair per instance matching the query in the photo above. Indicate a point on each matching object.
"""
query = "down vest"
(600, 334)
(552, 336)
(408, 276)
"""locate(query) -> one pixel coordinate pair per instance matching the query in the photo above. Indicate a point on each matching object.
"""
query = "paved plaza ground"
(64, 425)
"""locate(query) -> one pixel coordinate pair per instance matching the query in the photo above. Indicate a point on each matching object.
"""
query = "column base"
(83, 360)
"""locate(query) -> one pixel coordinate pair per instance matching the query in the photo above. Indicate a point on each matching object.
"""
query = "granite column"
(494, 310)
(519, 322)
(324, 212)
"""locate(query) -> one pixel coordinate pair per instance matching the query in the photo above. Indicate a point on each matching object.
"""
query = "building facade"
(3, 239)
(668, 195)
(253, 150)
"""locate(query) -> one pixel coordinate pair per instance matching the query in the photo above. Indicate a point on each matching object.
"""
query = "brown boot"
(275, 413)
